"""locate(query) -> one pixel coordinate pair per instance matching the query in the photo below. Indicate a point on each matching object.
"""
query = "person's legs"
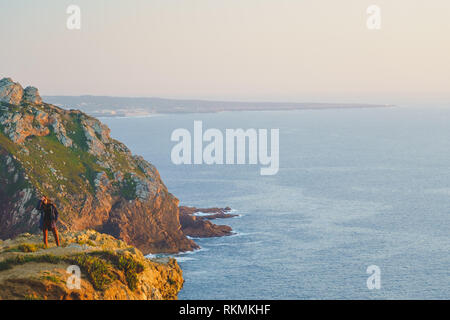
(45, 237)
(55, 234)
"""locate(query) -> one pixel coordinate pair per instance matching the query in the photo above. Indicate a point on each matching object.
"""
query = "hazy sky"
(303, 50)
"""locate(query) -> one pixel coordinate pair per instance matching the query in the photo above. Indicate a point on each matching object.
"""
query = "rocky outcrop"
(31, 95)
(94, 180)
(110, 270)
(12, 92)
(19, 126)
(198, 226)
(208, 213)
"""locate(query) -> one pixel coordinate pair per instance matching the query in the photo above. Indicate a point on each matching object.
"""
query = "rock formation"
(31, 95)
(110, 270)
(94, 180)
(200, 227)
(10, 91)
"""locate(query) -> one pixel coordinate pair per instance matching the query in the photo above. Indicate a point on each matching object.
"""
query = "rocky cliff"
(94, 180)
(195, 222)
(109, 270)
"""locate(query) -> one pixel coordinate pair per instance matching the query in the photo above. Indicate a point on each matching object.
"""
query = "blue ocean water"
(356, 188)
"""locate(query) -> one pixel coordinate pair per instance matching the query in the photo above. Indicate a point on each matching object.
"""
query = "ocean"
(356, 188)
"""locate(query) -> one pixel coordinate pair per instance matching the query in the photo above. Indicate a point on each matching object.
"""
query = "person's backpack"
(49, 212)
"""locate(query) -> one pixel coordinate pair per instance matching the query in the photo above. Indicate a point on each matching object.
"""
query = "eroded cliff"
(94, 180)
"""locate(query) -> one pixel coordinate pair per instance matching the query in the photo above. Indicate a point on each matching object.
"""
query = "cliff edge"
(109, 270)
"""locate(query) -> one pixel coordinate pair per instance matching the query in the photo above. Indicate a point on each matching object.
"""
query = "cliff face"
(93, 179)
(109, 270)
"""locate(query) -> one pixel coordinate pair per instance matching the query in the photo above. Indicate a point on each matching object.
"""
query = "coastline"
(150, 115)
(140, 107)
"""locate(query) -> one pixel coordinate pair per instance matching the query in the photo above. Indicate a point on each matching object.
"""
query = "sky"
(272, 50)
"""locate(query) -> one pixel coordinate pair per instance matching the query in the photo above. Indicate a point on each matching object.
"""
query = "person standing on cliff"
(49, 217)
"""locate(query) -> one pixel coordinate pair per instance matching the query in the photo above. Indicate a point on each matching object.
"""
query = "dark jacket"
(54, 215)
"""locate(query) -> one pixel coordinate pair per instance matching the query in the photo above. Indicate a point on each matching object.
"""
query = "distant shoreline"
(150, 115)
(120, 107)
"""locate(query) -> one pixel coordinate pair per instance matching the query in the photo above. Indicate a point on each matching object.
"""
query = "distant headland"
(105, 106)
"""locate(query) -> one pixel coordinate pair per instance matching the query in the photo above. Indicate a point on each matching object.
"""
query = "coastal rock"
(200, 227)
(18, 126)
(60, 130)
(10, 91)
(110, 270)
(31, 95)
(209, 213)
(96, 147)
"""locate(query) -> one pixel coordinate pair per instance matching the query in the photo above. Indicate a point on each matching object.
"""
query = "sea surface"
(355, 188)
